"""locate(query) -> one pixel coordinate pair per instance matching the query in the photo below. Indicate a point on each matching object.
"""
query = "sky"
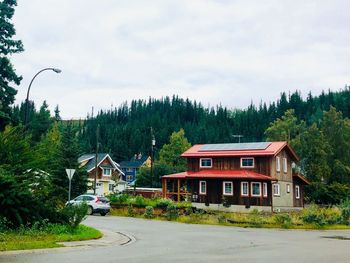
(216, 52)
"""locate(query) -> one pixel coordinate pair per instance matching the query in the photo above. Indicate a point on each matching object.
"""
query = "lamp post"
(30, 84)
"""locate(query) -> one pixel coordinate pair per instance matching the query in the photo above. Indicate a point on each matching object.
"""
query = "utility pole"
(96, 155)
(153, 143)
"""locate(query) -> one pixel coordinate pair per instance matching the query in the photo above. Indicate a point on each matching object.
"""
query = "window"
(98, 184)
(247, 162)
(244, 189)
(129, 169)
(297, 192)
(227, 188)
(256, 189)
(107, 171)
(265, 189)
(278, 164)
(202, 187)
(129, 178)
(285, 165)
(276, 190)
(288, 188)
(206, 163)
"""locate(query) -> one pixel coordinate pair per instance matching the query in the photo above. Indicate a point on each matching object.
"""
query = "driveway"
(158, 241)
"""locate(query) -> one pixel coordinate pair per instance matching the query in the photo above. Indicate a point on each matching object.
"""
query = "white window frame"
(250, 158)
(278, 164)
(285, 165)
(200, 163)
(105, 169)
(224, 189)
(242, 193)
(288, 188)
(200, 188)
(297, 192)
(251, 189)
(278, 193)
(264, 189)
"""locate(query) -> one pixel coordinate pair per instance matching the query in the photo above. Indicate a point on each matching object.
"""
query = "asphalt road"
(157, 241)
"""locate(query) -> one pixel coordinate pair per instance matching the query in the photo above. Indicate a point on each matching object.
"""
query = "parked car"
(96, 204)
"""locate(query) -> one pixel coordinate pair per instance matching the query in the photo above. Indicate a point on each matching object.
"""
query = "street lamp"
(56, 70)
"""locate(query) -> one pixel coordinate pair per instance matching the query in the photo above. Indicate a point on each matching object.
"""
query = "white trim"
(288, 188)
(200, 162)
(264, 189)
(285, 165)
(223, 188)
(278, 192)
(105, 169)
(200, 187)
(251, 189)
(278, 164)
(243, 194)
(297, 192)
(111, 161)
(251, 158)
(87, 159)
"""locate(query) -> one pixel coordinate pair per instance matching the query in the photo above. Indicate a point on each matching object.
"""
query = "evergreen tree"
(57, 114)
(67, 158)
(8, 46)
(41, 122)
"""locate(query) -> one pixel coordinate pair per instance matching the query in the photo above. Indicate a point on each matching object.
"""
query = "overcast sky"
(228, 52)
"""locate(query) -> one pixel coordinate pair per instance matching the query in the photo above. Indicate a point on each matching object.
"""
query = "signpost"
(70, 173)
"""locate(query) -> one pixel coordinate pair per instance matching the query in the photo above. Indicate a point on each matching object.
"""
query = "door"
(99, 188)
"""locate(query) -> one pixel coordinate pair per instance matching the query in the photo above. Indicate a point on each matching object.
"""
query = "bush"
(255, 217)
(131, 211)
(189, 210)
(140, 201)
(149, 212)
(74, 214)
(163, 203)
(321, 216)
(345, 211)
(171, 212)
(222, 219)
(119, 198)
(225, 201)
(283, 220)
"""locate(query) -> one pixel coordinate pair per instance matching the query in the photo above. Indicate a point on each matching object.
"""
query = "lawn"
(46, 237)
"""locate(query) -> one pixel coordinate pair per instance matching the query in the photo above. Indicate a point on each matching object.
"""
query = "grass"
(255, 220)
(47, 237)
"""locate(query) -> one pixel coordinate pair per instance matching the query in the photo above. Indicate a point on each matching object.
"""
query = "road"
(158, 241)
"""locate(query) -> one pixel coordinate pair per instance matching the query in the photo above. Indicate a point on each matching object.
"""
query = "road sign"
(70, 173)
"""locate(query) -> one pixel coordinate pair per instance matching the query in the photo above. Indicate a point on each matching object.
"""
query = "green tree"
(287, 128)
(41, 122)
(314, 149)
(337, 132)
(144, 175)
(8, 46)
(170, 154)
(67, 158)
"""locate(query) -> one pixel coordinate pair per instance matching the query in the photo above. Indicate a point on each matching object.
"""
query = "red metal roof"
(273, 149)
(222, 174)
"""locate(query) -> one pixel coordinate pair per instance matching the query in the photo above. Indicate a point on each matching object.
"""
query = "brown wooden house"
(239, 177)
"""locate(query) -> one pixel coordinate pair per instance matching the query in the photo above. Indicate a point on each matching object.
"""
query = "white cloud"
(228, 52)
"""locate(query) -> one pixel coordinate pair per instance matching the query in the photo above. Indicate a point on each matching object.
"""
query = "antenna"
(239, 136)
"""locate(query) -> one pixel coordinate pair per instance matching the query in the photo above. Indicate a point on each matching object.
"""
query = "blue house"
(131, 167)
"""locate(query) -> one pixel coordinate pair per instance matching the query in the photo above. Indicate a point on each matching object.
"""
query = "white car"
(96, 204)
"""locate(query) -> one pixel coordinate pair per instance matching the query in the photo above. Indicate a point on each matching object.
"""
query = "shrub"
(283, 220)
(345, 211)
(131, 211)
(312, 215)
(171, 212)
(163, 203)
(255, 217)
(222, 219)
(189, 210)
(140, 201)
(225, 201)
(74, 214)
(149, 212)
(119, 198)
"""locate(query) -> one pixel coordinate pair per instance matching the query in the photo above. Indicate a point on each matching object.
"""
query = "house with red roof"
(239, 177)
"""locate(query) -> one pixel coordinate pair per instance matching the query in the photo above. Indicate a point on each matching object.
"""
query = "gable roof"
(239, 149)
(91, 161)
(134, 162)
